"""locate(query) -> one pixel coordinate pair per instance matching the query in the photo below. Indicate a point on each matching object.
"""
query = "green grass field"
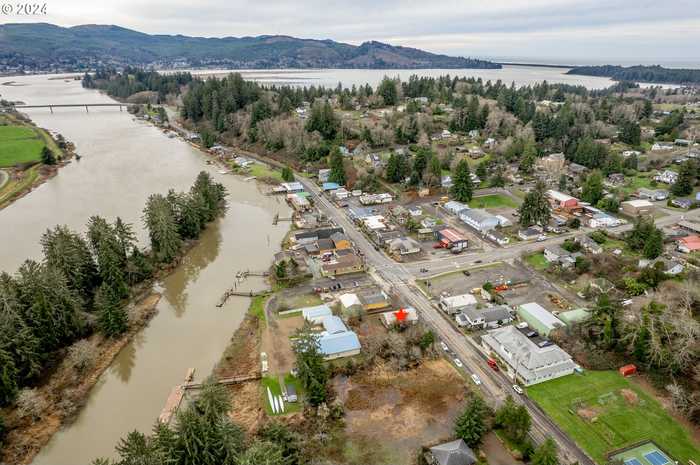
(613, 421)
(274, 385)
(19, 145)
(493, 201)
(261, 171)
(537, 261)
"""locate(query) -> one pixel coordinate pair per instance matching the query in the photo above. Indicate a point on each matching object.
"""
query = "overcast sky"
(594, 31)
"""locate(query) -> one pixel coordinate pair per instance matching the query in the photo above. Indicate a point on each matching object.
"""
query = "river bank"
(67, 388)
(21, 179)
(124, 160)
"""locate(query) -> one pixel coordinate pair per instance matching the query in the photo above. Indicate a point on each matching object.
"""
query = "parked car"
(518, 389)
(444, 346)
(459, 363)
(476, 379)
(466, 273)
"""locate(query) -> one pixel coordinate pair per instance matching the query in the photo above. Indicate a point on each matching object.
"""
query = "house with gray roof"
(492, 317)
(529, 359)
(451, 453)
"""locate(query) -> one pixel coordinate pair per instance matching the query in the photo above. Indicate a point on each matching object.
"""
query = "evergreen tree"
(287, 174)
(47, 156)
(686, 180)
(514, 420)
(337, 167)
(69, 253)
(388, 91)
(8, 378)
(309, 361)
(630, 133)
(462, 186)
(529, 157)
(654, 245)
(471, 425)
(592, 189)
(160, 219)
(545, 454)
(112, 319)
(323, 120)
(535, 208)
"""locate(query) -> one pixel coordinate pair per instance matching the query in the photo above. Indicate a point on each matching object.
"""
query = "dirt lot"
(535, 290)
(393, 413)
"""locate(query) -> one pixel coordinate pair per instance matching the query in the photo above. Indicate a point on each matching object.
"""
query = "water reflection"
(124, 363)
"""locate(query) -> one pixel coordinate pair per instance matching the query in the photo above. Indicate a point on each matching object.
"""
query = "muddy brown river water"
(123, 161)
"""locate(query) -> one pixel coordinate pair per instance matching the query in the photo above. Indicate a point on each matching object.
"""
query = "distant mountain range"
(41, 46)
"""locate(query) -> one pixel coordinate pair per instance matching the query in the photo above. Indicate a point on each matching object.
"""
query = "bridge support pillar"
(86, 109)
(51, 108)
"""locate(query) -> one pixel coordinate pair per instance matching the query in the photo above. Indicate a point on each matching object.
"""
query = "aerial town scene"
(395, 233)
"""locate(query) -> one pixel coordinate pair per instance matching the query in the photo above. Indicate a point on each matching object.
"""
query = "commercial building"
(406, 315)
(561, 200)
(337, 340)
(452, 239)
(481, 220)
(529, 360)
(316, 314)
(457, 303)
(539, 318)
(491, 317)
(688, 244)
(637, 207)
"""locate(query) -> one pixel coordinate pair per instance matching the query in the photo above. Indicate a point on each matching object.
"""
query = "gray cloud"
(625, 31)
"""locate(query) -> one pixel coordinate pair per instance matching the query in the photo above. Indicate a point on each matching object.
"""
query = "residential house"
(374, 199)
(682, 142)
(529, 360)
(340, 241)
(555, 254)
(342, 264)
(350, 303)
(688, 244)
(684, 203)
(577, 170)
(446, 181)
(666, 177)
(292, 187)
(498, 237)
(553, 163)
(385, 237)
(479, 219)
(658, 146)
(603, 220)
(404, 246)
(652, 194)
(491, 317)
(451, 453)
(529, 233)
(630, 153)
(539, 318)
(428, 222)
(637, 207)
(312, 236)
(457, 303)
(476, 153)
(340, 194)
(243, 162)
(406, 315)
(589, 244)
(490, 143)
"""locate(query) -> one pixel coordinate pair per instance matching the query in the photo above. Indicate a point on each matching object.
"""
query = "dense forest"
(84, 281)
(133, 80)
(655, 74)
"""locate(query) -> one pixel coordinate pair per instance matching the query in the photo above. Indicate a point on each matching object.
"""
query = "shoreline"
(37, 174)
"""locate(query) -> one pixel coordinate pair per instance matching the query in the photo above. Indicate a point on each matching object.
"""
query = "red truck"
(492, 363)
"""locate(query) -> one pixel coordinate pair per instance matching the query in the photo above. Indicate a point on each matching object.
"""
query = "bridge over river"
(87, 106)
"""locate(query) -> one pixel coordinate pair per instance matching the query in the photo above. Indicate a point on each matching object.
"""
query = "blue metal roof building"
(330, 186)
(333, 325)
(316, 314)
(345, 344)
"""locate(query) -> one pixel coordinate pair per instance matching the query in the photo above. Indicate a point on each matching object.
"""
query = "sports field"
(646, 453)
(18, 145)
(604, 412)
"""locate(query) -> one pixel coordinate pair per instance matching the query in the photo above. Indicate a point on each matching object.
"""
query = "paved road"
(494, 384)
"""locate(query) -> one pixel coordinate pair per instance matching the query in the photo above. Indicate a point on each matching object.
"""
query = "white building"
(481, 220)
(529, 360)
(457, 303)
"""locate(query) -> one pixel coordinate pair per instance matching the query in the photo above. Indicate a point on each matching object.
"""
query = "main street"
(495, 385)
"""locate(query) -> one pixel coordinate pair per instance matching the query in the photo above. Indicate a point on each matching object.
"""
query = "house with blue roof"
(330, 186)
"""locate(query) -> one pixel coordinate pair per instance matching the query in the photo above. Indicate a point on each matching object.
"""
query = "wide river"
(520, 75)
(123, 161)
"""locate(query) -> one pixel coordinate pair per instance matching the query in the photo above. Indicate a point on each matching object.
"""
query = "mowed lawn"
(493, 201)
(19, 145)
(613, 420)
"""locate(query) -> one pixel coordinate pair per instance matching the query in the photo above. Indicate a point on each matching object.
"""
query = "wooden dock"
(234, 292)
(177, 394)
